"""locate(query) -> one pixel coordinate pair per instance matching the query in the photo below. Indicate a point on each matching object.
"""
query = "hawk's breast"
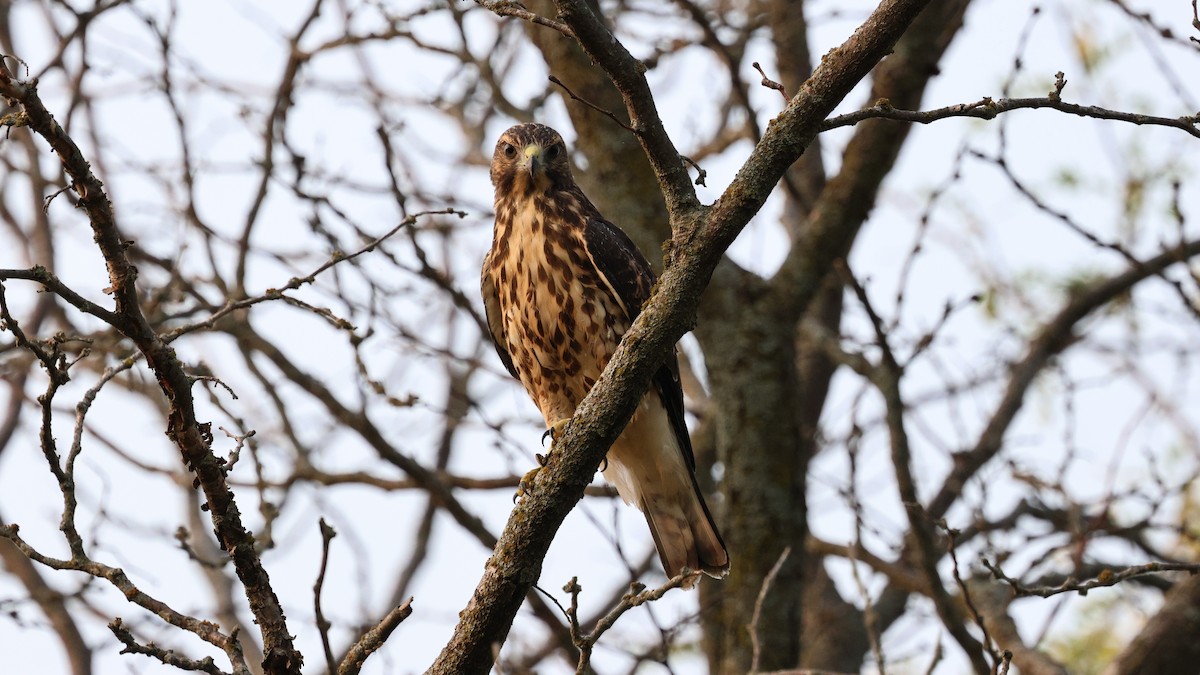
(560, 322)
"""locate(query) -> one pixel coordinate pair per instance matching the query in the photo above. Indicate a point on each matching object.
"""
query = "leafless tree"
(937, 260)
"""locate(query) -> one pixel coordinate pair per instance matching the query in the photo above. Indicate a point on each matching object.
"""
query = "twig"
(1148, 20)
(182, 535)
(608, 113)
(701, 174)
(636, 596)
(1106, 578)
(870, 615)
(236, 453)
(769, 83)
(951, 548)
(988, 108)
(294, 283)
(756, 649)
(327, 535)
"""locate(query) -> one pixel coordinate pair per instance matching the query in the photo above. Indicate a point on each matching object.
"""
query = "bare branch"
(988, 108)
(516, 9)
(769, 83)
(758, 604)
(637, 595)
(52, 283)
(886, 378)
(1106, 578)
(167, 657)
(205, 630)
(1055, 336)
(189, 434)
(373, 639)
(327, 535)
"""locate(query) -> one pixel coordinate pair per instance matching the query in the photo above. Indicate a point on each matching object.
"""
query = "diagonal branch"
(516, 562)
(191, 436)
(629, 76)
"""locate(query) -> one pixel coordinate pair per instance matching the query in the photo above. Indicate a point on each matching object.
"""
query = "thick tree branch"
(629, 76)
(516, 562)
(192, 437)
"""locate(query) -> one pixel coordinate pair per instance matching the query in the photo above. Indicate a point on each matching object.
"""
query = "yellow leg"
(554, 432)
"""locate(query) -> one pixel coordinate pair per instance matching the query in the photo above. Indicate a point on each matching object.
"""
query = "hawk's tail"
(684, 532)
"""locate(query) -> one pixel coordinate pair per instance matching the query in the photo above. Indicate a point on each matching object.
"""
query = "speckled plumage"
(561, 285)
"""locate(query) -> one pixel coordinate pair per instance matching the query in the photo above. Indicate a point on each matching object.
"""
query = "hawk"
(561, 285)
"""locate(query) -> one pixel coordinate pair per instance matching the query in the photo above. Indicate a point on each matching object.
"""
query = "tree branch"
(373, 639)
(987, 108)
(516, 562)
(192, 437)
(629, 76)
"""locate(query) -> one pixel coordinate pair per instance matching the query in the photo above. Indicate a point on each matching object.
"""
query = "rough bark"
(755, 388)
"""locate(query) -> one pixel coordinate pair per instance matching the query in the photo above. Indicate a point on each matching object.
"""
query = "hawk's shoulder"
(620, 262)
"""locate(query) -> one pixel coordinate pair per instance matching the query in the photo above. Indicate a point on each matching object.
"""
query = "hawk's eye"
(509, 150)
(553, 152)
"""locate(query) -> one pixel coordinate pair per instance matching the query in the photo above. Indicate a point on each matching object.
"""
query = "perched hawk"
(561, 285)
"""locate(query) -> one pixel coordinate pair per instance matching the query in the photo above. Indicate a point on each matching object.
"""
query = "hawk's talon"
(525, 486)
(555, 431)
(526, 483)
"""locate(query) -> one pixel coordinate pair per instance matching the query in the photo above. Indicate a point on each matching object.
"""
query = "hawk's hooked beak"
(533, 159)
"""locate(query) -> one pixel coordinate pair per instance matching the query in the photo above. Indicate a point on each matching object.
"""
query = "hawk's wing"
(491, 310)
(626, 272)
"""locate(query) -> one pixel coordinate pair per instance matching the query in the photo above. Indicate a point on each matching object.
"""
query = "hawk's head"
(530, 159)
